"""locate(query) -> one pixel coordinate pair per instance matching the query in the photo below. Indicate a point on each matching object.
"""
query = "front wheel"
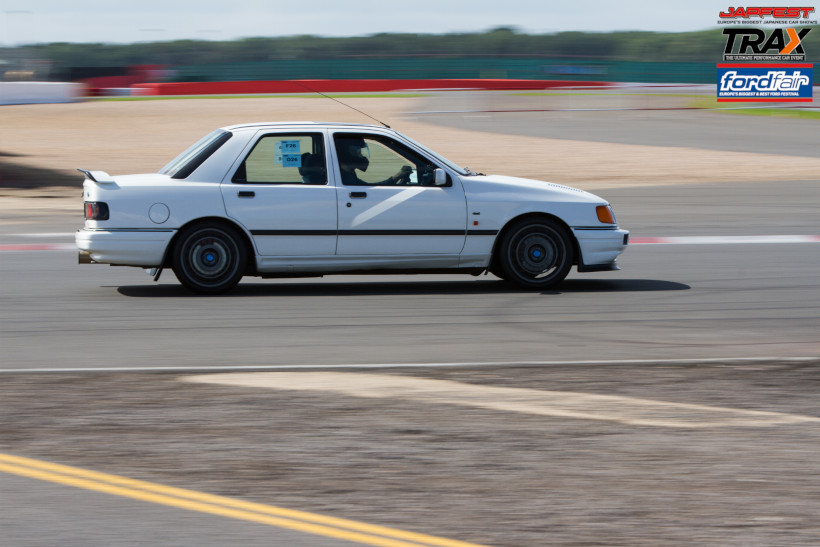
(536, 254)
(209, 258)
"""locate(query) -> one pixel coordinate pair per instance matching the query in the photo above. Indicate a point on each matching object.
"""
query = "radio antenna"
(340, 102)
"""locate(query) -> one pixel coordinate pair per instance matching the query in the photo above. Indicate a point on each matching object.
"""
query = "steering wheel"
(404, 177)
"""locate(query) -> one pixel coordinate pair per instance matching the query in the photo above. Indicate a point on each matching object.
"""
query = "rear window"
(185, 164)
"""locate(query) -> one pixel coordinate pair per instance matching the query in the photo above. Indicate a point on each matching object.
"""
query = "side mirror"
(440, 177)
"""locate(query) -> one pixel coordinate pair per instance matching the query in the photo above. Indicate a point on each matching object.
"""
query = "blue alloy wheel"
(535, 253)
(209, 258)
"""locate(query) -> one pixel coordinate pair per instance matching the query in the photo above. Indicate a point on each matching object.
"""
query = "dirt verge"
(42, 145)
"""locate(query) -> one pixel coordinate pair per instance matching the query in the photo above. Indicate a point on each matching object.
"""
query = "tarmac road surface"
(624, 117)
(669, 301)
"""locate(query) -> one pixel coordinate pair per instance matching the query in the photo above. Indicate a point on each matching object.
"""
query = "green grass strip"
(712, 104)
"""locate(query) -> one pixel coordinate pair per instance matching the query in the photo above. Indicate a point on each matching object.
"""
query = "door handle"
(246, 194)
(358, 194)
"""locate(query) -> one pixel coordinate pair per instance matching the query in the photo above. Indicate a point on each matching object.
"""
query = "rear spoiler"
(100, 177)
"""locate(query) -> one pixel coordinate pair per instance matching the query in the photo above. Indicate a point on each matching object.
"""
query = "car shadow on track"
(389, 288)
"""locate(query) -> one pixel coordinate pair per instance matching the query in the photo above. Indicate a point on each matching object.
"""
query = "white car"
(302, 199)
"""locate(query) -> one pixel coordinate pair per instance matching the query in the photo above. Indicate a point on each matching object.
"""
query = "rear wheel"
(209, 258)
(536, 254)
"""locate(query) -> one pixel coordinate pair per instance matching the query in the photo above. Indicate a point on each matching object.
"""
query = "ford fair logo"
(764, 82)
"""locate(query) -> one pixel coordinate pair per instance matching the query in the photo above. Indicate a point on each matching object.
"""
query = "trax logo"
(778, 12)
(753, 45)
(764, 82)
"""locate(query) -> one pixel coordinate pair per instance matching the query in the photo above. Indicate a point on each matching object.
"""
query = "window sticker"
(288, 154)
(291, 160)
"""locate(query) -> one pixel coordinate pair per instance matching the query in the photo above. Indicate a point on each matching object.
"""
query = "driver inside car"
(354, 155)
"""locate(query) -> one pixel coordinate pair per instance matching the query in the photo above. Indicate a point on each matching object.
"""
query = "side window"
(370, 160)
(285, 159)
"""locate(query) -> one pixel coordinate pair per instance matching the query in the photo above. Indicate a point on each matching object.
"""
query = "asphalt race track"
(669, 301)
(625, 117)
(727, 316)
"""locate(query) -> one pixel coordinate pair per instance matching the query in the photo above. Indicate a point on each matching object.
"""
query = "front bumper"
(144, 248)
(598, 249)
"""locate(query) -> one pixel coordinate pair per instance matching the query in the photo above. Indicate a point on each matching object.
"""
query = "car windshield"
(194, 154)
(460, 170)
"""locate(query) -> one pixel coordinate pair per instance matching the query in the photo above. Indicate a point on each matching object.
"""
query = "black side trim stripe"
(373, 232)
(151, 230)
(293, 232)
(401, 232)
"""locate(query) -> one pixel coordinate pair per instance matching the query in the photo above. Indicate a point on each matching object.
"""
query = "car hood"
(534, 189)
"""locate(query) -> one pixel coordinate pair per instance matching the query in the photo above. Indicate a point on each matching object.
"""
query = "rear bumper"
(144, 248)
(599, 248)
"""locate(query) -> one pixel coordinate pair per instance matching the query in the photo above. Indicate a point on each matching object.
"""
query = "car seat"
(313, 169)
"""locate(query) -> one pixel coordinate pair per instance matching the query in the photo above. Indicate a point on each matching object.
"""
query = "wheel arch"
(532, 216)
(250, 267)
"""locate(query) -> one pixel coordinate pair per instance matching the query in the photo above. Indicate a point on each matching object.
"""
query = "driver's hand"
(403, 174)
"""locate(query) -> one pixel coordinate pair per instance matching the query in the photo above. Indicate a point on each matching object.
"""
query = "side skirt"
(413, 271)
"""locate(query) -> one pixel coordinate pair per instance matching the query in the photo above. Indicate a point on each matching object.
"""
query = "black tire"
(209, 258)
(535, 254)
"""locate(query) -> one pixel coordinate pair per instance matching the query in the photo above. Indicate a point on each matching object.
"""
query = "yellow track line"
(350, 530)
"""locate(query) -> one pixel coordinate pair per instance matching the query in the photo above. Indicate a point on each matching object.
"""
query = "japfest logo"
(756, 15)
(765, 82)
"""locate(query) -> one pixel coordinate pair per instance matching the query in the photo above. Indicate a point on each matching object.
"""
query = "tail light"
(96, 210)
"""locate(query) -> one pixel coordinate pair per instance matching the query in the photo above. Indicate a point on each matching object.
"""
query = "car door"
(388, 203)
(280, 193)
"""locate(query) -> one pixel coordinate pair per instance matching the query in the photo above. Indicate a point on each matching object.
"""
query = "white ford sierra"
(302, 199)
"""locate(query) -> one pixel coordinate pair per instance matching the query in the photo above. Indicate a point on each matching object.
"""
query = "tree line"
(704, 46)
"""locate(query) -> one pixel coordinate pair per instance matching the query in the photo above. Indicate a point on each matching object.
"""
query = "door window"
(285, 159)
(370, 160)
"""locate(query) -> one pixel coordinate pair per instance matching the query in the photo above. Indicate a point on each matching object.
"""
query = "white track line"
(19, 247)
(722, 240)
(558, 404)
(466, 364)
(43, 235)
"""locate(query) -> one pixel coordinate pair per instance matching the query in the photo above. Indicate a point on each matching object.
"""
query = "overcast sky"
(113, 21)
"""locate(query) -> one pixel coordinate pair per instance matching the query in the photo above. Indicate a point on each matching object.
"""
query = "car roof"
(296, 123)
